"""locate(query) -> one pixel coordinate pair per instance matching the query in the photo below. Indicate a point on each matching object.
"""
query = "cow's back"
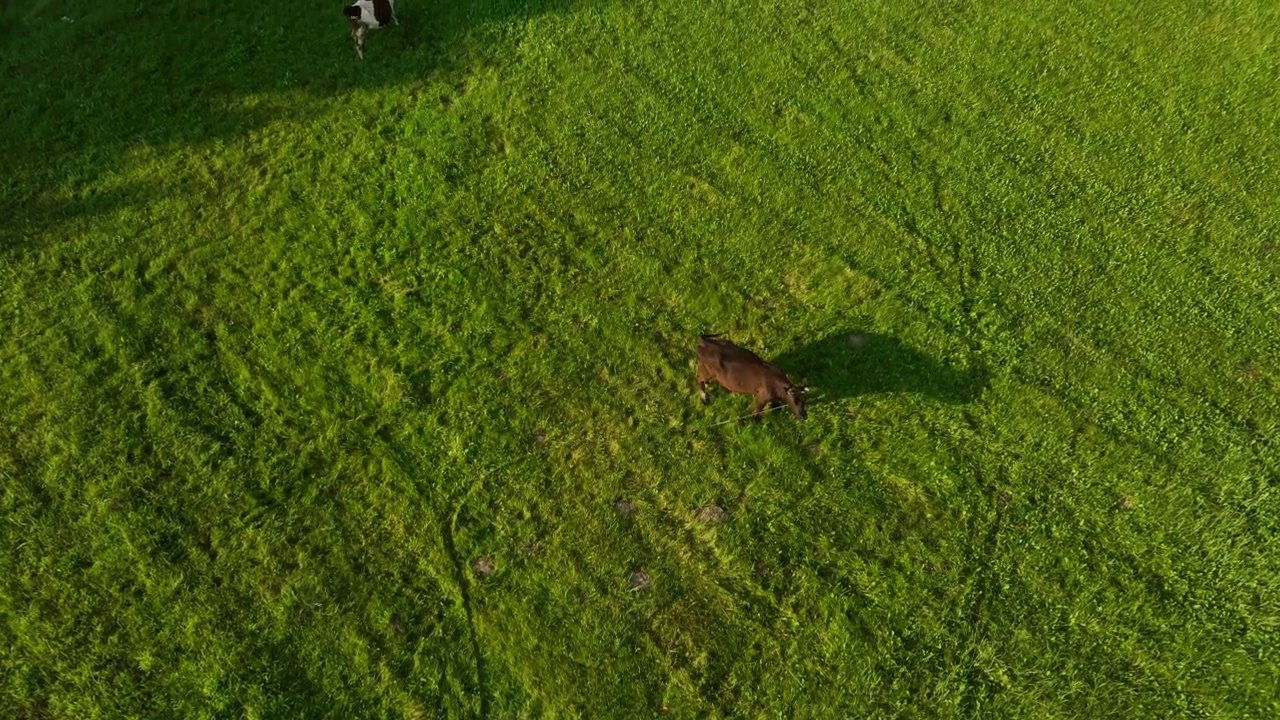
(737, 368)
(724, 353)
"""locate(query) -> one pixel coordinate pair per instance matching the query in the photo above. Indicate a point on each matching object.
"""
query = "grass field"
(341, 389)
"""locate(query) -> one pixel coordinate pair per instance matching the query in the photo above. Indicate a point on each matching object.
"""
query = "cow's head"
(796, 398)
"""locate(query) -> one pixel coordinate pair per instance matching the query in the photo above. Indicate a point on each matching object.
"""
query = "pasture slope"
(334, 389)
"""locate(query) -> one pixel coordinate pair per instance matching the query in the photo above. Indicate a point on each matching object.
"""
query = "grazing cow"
(366, 15)
(739, 370)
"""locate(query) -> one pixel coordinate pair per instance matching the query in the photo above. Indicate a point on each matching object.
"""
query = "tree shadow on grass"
(850, 364)
(84, 82)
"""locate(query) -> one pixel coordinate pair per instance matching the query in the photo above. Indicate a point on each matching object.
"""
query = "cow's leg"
(757, 408)
(703, 378)
(360, 31)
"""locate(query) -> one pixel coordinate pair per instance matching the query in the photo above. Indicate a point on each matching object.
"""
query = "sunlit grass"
(342, 389)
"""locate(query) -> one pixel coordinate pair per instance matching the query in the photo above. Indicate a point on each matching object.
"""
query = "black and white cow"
(366, 15)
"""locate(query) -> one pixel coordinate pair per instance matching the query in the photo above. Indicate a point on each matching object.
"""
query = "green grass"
(289, 342)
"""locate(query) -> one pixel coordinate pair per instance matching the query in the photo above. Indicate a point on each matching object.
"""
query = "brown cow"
(739, 370)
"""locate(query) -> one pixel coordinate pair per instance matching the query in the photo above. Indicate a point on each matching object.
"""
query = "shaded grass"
(283, 359)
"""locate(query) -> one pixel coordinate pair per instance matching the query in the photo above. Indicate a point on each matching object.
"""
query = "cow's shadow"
(852, 364)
